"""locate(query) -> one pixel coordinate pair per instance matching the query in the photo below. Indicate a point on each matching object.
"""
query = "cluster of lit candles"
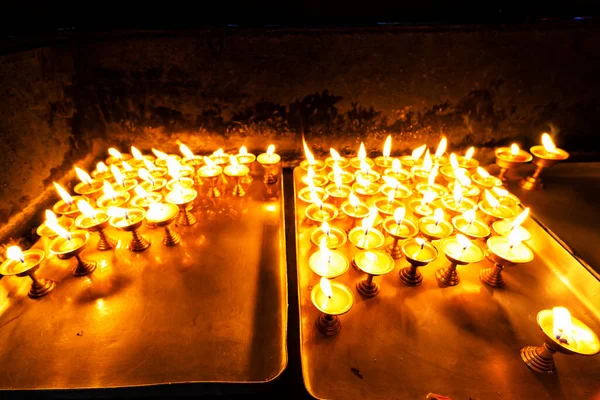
(127, 192)
(411, 206)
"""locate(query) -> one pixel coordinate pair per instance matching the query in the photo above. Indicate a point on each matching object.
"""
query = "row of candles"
(125, 192)
(363, 200)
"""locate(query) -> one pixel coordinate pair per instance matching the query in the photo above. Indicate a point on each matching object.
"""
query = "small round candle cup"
(420, 174)
(457, 256)
(470, 164)
(304, 194)
(162, 217)
(131, 223)
(186, 183)
(347, 177)
(247, 160)
(542, 159)
(131, 174)
(195, 163)
(331, 268)
(158, 185)
(506, 160)
(341, 301)
(158, 172)
(33, 258)
(472, 192)
(44, 231)
(162, 162)
(118, 161)
(97, 224)
(409, 162)
(139, 163)
(373, 263)
(453, 207)
(343, 162)
(318, 215)
(449, 173)
(318, 180)
(366, 241)
(366, 191)
(318, 165)
(405, 230)
(93, 190)
(61, 207)
(441, 161)
(355, 163)
(127, 186)
(371, 176)
(503, 228)
(103, 176)
(211, 174)
(419, 209)
(476, 230)
(386, 207)
(433, 230)
(237, 173)
(120, 199)
(485, 183)
(402, 176)
(144, 202)
(338, 195)
(401, 192)
(541, 358)
(185, 202)
(268, 161)
(335, 239)
(68, 248)
(383, 162)
(436, 188)
(354, 213)
(503, 255)
(418, 255)
(494, 214)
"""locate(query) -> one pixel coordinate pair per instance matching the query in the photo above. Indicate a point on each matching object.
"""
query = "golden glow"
(117, 174)
(136, 153)
(562, 325)
(519, 219)
(418, 152)
(387, 147)
(364, 167)
(187, 153)
(337, 176)
(469, 216)
(461, 176)
(362, 152)
(218, 153)
(514, 238)
(271, 207)
(140, 192)
(15, 253)
(271, 150)
(159, 154)
(309, 156)
(428, 197)
(86, 209)
(177, 193)
(50, 216)
(427, 161)
(101, 167)
(149, 165)
(399, 214)
(548, 143)
(335, 155)
(390, 196)
(59, 230)
(108, 190)
(396, 166)
(325, 228)
(353, 200)
(441, 149)
(63, 193)
(514, 149)
(127, 167)
(243, 151)
(463, 241)
(362, 181)
(173, 167)
(115, 153)
(325, 252)
(483, 173)
(393, 182)
(454, 161)
(83, 176)
(469, 153)
(118, 212)
(315, 198)
(438, 215)
(145, 175)
(432, 175)
(491, 200)
(367, 223)
(326, 287)
(458, 192)
(310, 173)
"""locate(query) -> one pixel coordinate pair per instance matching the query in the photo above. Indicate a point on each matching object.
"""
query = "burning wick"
(399, 217)
(563, 324)
(15, 253)
(387, 147)
(464, 242)
(325, 228)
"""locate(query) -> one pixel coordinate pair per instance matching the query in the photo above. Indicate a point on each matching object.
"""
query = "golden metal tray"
(212, 309)
(461, 341)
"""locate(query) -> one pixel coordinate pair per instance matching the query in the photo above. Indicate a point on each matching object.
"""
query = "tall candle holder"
(418, 253)
(459, 251)
(544, 156)
(503, 252)
(88, 187)
(373, 263)
(583, 342)
(245, 158)
(211, 172)
(508, 158)
(354, 210)
(268, 160)
(97, 222)
(414, 159)
(334, 237)
(162, 215)
(435, 227)
(71, 246)
(332, 299)
(195, 162)
(45, 231)
(336, 159)
(27, 263)
(328, 263)
(131, 220)
(237, 172)
(184, 199)
(470, 226)
(399, 228)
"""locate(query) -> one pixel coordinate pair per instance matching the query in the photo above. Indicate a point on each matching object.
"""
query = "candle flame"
(63, 193)
(337, 176)
(396, 166)
(562, 325)
(159, 154)
(469, 153)
(118, 212)
(218, 153)
(326, 287)
(441, 149)
(420, 241)
(325, 252)
(393, 182)
(387, 146)
(149, 166)
(515, 238)
(362, 152)
(83, 176)
(209, 163)
(234, 163)
(432, 175)
(458, 192)
(173, 167)
(145, 175)
(461, 176)
(115, 153)
(59, 230)
(353, 200)
(108, 190)
(548, 143)
(367, 222)
(177, 193)
(86, 209)
(500, 192)
(140, 192)
(469, 216)
(334, 155)
(50, 216)
(483, 173)
(519, 219)
(310, 173)
(418, 152)
(514, 149)
(491, 200)
(463, 241)
(390, 196)
(325, 228)
(364, 167)
(314, 197)
(136, 153)
(243, 151)
(428, 197)
(101, 167)
(117, 174)
(438, 215)
(271, 150)
(309, 156)
(362, 181)
(187, 153)
(127, 167)
(15, 253)
(427, 161)
(454, 162)
(399, 214)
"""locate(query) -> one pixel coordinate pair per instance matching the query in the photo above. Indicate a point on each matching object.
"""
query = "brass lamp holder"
(171, 237)
(449, 275)
(411, 276)
(105, 242)
(493, 276)
(534, 182)
(83, 267)
(506, 164)
(138, 242)
(328, 325)
(40, 286)
(213, 189)
(367, 287)
(394, 249)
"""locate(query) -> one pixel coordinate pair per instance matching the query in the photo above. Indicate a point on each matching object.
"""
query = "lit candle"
(101, 172)
(396, 172)
(331, 299)
(384, 161)
(435, 227)
(130, 220)
(138, 158)
(318, 211)
(157, 172)
(126, 185)
(70, 244)
(161, 158)
(418, 253)
(315, 179)
(334, 237)
(365, 237)
(373, 263)
(387, 205)
(26, 263)
(421, 207)
(492, 208)
(237, 171)
(459, 250)
(422, 172)
(66, 206)
(361, 157)
(88, 186)
(93, 220)
(150, 183)
(470, 226)
(394, 188)
(310, 161)
(268, 160)
(509, 158)
(484, 180)
(335, 159)
(116, 157)
(365, 187)
(457, 203)
(112, 198)
(467, 161)
(183, 198)
(413, 159)
(504, 227)
(399, 228)
(143, 199)
(327, 263)
(366, 173)
(44, 231)
(431, 186)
